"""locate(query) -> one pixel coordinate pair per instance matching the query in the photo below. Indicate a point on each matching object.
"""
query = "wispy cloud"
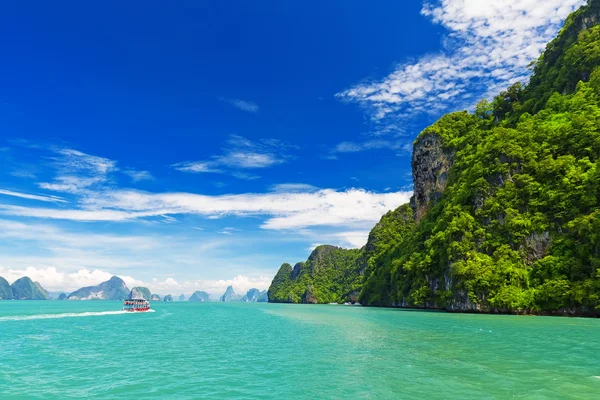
(489, 45)
(138, 176)
(243, 105)
(355, 147)
(47, 198)
(240, 153)
(293, 188)
(77, 171)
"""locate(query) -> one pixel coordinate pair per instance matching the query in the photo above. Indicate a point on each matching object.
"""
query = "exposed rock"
(309, 297)
(537, 245)
(155, 297)
(140, 292)
(181, 297)
(230, 295)
(113, 289)
(62, 296)
(5, 290)
(296, 270)
(431, 163)
(198, 296)
(168, 298)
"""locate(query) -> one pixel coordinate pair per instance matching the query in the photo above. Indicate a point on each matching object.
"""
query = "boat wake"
(64, 315)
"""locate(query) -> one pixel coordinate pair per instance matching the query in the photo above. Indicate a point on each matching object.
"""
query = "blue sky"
(194, 145)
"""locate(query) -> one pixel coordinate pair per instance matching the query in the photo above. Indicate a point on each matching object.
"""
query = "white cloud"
(287, 210)
(240, 153)
(46, 198)
(490, 45)
(138, 176)
(243, 105)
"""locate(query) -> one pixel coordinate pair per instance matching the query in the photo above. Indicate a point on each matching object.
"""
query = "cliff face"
(155, 297)
(168, 298)
(431, 163)
(113, 289)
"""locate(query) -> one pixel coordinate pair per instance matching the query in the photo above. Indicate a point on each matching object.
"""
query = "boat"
(136, 305)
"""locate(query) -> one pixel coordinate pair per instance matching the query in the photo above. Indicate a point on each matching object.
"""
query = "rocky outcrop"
(62, 296)
(309, 296)
(230, 295)
(198, 296)
(155, 297)
(25, 289)
(113, 289)
(5, 290)
(182, 297)
(168, 298)
(140, 292)
(431, 163)
(254, 296)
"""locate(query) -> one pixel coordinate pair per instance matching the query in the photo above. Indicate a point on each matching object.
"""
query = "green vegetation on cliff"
(331, 274)
(513, 223)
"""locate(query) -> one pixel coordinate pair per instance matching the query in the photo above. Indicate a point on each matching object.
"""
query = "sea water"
(78, 349)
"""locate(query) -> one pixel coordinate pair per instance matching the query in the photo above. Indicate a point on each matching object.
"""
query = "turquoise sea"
(80, 350)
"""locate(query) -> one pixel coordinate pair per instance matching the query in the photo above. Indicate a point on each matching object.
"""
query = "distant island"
(505, 216)
(22, 289)
(114, 289)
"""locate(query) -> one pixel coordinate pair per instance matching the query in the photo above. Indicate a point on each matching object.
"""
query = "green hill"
(331, 274)
(507, 200)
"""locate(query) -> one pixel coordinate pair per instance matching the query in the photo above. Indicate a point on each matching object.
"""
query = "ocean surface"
(72, 349)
